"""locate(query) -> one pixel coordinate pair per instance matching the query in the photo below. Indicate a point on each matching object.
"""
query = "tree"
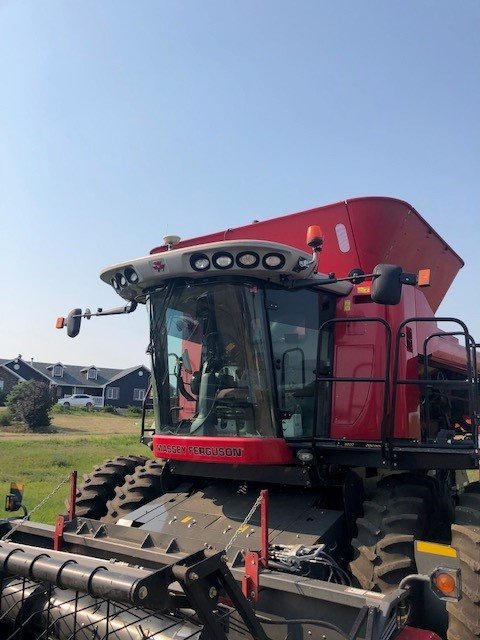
(30, 403)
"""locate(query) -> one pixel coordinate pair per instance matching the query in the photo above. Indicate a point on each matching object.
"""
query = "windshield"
(211, 365)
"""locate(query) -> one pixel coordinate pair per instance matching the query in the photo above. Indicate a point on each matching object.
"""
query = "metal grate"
(32, 611)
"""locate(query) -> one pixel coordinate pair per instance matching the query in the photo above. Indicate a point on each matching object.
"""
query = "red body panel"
(223, 449)
(410, 633)
(358, 233)
(376, 230)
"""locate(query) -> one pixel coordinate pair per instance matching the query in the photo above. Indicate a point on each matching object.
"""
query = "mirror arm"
(406, 278)
(315, 282)
(128, 308)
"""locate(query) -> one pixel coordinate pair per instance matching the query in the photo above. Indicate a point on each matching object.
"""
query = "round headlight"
(222, 260)
(131, 275)
(273, 261)
(120, 280)
(199, 262)
(247, 260)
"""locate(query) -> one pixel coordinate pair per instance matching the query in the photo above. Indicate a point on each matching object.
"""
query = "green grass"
(42, 463)
(83, 440)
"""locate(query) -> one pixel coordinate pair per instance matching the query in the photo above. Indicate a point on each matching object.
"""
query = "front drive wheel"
(99, 486)
(145, 484)
(464, 616)
(394, 515)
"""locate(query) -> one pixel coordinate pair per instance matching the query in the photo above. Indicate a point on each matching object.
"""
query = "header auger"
(314, 423)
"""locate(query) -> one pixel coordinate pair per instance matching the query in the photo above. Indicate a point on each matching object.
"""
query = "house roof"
(14, 373)
(127, 371)
(76, 375)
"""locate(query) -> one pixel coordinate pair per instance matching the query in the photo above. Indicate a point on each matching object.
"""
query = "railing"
(428, 385)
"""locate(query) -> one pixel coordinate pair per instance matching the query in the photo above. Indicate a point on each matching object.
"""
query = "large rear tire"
(464, 616)
(141, 487)
(394, 515)
(98, 487)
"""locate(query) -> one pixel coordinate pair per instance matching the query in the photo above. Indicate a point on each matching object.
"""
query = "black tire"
(89, 405)
(99, 486)
(464, 616)
(394, 515)
(66, 404)
(142, 486)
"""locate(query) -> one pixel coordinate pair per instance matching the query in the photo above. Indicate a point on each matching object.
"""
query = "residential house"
(116, 387)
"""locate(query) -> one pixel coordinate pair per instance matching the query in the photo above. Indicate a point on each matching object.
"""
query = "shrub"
(30, 403)
(5, 419)
(134, 411)
(108, 408)
(3, 397)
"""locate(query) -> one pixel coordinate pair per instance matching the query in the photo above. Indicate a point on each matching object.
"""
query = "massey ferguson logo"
(212, 452)
(158, 265)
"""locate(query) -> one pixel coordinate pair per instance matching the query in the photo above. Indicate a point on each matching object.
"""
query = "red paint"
(251, 576)
(411, 633)
(360, 350)
(223, 449)
(73, 495)
(405, 239)
(58, 533)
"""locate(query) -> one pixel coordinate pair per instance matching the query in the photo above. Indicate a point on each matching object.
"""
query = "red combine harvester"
(313, 426)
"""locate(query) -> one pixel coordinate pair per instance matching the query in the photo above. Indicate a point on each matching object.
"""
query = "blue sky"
(120, 121)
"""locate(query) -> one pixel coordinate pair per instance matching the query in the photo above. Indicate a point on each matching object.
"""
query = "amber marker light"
(445, 583)
(424, 278)
(364, 289)
(59, 323)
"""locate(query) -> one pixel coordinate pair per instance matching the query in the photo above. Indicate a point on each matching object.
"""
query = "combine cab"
(313, 426)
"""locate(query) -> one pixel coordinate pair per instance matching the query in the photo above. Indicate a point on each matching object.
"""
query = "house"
(117, 387)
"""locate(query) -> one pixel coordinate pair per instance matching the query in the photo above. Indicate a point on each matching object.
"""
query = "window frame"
(113, 393)
(56, 368)
(141, 393)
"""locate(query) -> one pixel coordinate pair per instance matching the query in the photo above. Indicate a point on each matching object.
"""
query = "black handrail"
(385, 379)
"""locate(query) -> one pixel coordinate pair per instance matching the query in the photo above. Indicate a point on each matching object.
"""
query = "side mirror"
(388, 280)
(73, 322)
(386, 285)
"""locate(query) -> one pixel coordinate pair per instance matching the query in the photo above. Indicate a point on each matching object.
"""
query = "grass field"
(82, 440)
(41, 461)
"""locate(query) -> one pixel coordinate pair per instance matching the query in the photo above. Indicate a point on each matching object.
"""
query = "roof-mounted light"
(199, 262)
(131, 275)
(273, 261)
(248, 260)
(222, 260)
(120, 280)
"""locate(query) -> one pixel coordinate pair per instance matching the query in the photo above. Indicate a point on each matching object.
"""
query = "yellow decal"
(437, 549)
(244, 528)
(347, 305)
(186, 519)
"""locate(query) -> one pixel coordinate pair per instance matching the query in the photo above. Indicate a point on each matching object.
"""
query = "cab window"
(294, 320)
